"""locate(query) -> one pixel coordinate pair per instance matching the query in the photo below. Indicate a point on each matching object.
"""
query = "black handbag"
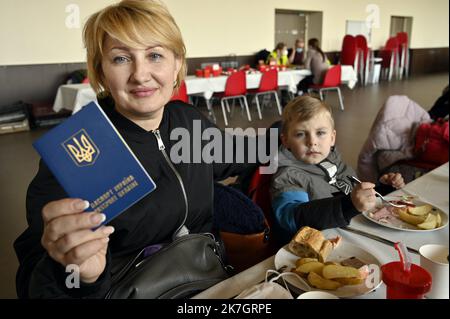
(180, 269)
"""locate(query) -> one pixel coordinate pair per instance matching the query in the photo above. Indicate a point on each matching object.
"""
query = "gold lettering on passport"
(126, 185)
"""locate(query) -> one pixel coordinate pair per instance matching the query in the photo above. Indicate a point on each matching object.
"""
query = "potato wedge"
(313, 266)
(303, 261)
(303, 275)
(333, 271)
(332, 263)
(429, 223)
(349, 281)
(319, 282)
(420, 210)
(410, 219)
(438, 220)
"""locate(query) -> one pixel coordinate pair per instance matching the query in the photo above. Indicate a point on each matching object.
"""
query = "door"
(401, 24)
(289, 27)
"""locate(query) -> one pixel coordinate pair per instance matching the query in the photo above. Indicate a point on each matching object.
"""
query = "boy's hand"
(363, 196)
(393, 179)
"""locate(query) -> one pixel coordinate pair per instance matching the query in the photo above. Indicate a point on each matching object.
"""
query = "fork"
(378, 194)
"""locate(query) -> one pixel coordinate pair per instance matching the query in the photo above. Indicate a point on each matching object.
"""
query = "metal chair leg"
(228, 106)
(210, 110)
(246, 107)
(258, 107)
(407, 63)
(340, 99)
(224, 112)
(278, 103)
(241, 105)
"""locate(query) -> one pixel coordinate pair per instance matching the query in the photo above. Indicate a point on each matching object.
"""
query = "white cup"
(434, 258)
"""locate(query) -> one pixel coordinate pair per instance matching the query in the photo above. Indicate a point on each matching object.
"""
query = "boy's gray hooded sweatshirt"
(329, 205)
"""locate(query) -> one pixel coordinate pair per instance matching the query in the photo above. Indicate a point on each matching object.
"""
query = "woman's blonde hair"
(136, 23)
(302, 109)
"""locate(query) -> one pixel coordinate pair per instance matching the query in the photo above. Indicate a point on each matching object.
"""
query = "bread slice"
(310, 243)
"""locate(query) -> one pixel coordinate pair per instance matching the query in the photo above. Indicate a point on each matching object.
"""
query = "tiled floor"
(18, 160)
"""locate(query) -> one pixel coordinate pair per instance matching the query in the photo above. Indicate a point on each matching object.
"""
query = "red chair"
(349, 51)
(181, 94)
(267, 86)
(235, 88)
(389, 53)
(332, 81)
(363, 58)
(259, 192)
(403, 49)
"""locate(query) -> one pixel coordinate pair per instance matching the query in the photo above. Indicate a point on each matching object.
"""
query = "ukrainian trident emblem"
(81, 148)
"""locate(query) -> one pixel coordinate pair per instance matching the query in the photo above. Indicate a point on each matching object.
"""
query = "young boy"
(311, 186)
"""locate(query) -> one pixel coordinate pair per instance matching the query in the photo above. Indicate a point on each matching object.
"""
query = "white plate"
(317, 295)
(342, 252)
(398, 224)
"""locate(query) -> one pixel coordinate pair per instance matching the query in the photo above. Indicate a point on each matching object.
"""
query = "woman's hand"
(363, 196)
(69, 239)
(393, 179)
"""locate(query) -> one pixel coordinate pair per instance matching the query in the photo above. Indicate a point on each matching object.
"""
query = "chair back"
(389, 51)
(236, 84)
(332, 77)
(181, 94)
(349, 48)
(269, 81)
(243, 228)
(259, 192)
(361, 44)
(391, 44)
(402, 38)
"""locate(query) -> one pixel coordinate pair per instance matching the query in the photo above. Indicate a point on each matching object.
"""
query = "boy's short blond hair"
(136, 23)
(302, 109)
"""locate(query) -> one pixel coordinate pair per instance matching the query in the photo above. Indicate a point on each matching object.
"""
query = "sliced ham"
(382, 213)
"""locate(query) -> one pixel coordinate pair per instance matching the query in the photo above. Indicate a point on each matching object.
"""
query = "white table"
(432, 188)
(211, 85)
(288, 78)
(75, 96)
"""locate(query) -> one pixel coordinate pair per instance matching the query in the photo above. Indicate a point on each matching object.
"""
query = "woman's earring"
(332, 148)
(175, 83)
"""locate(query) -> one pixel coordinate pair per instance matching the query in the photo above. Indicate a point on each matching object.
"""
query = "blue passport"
(92, 161)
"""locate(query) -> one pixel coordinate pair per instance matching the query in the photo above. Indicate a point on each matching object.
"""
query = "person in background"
(312, 186)
(316, 61)
(297, 53)
(279, 56)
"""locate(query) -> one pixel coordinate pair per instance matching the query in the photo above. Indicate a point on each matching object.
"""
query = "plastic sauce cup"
(404, 285)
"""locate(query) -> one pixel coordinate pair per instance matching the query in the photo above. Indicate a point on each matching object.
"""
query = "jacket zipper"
(182, 229)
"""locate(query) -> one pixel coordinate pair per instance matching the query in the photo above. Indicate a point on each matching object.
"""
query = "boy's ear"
(283, 140)
(333, 134)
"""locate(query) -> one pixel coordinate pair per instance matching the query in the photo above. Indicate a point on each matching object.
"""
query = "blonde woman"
(135, 58)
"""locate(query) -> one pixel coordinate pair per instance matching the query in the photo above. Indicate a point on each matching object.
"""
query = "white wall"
(35, 32)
